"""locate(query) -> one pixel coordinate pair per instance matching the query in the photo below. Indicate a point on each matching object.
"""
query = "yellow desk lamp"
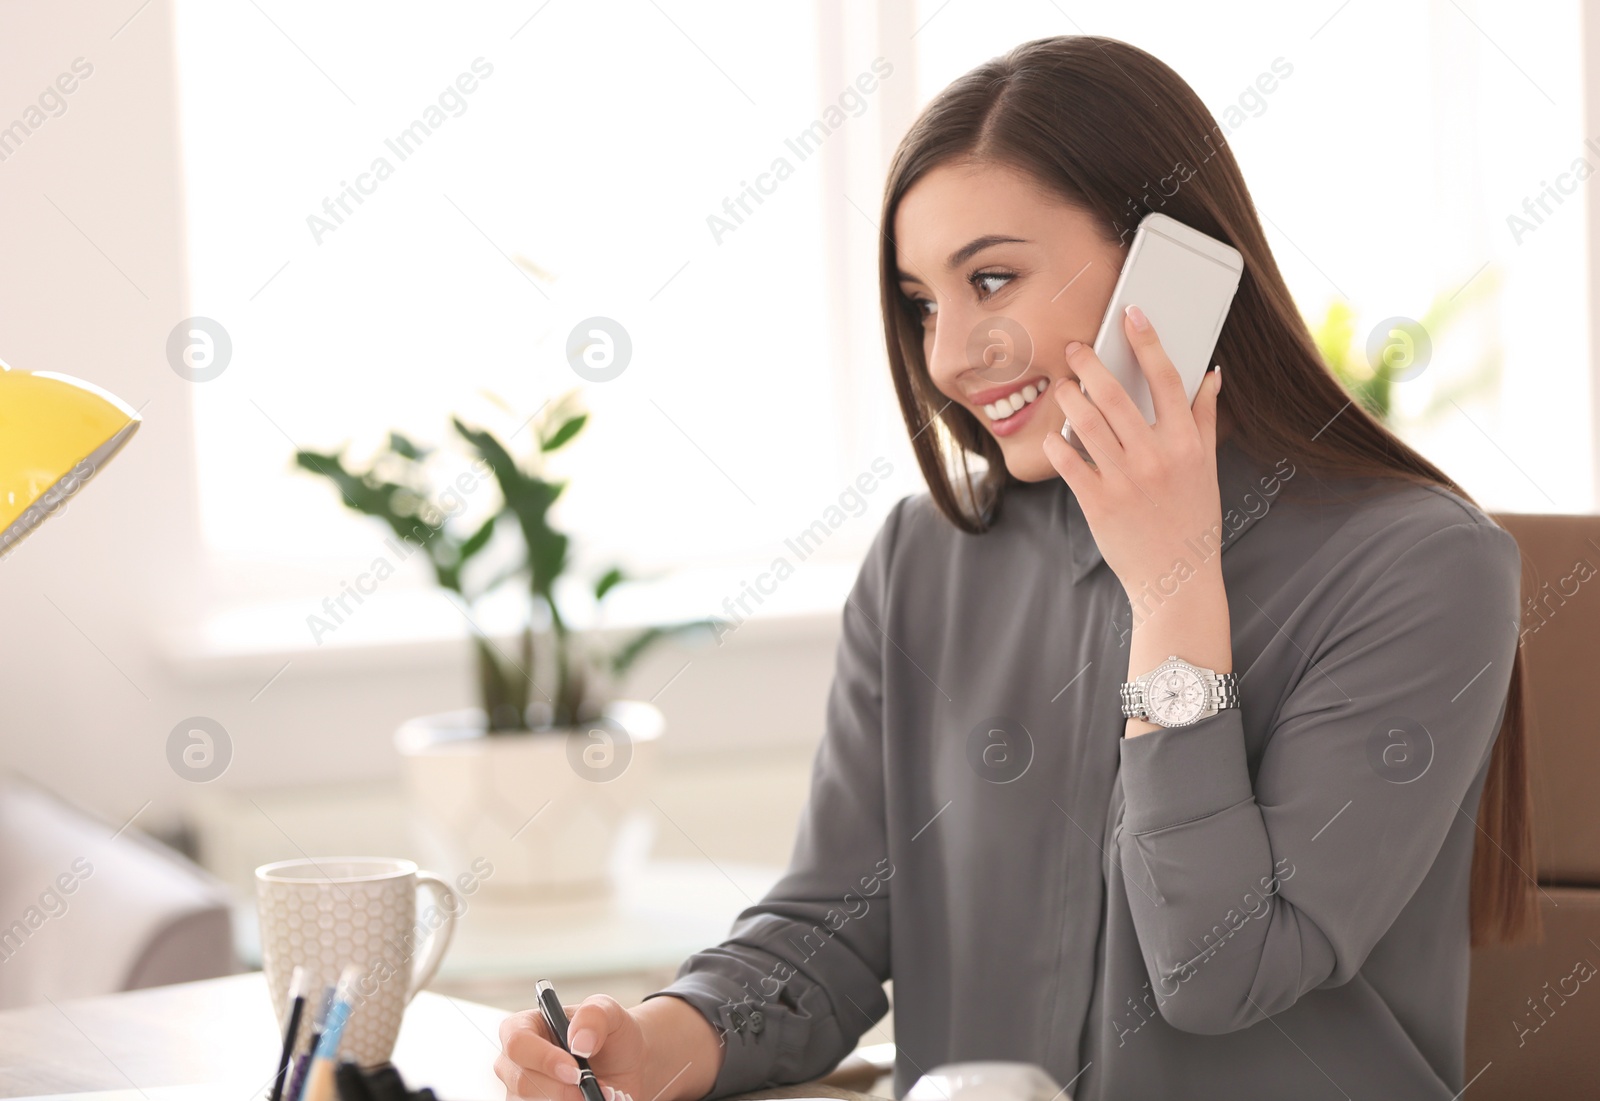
(56, 432)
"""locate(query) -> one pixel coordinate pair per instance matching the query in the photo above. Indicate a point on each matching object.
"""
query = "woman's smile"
(1007, 408)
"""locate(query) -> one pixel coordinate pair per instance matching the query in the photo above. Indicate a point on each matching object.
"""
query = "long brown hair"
(1108, 128)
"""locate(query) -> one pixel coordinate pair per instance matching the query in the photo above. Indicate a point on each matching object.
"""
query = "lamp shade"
(55, 433)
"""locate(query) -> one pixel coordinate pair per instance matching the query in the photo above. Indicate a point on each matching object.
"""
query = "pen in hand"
(555, 1019)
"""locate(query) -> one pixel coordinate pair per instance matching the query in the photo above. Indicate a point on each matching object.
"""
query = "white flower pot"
(555, 811)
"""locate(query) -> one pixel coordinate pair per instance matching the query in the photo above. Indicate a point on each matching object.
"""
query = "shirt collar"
(1247, 488)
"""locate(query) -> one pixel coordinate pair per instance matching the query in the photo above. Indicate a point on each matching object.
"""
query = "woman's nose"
(991, 349)
(948, 356)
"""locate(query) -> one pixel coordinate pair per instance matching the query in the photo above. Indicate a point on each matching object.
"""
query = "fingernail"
(569, 1073)
(1136, 315)
(582, 1042)
(1219, 377)
(1073, 346)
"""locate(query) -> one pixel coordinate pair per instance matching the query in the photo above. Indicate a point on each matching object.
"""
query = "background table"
(222, 1033)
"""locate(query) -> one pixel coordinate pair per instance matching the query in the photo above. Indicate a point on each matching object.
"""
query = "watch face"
(1175, 697)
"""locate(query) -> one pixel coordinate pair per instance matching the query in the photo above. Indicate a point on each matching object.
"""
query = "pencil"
(320, 1079)
(302, 1062)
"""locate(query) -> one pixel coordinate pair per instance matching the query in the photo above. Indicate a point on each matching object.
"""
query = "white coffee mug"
(327, 914)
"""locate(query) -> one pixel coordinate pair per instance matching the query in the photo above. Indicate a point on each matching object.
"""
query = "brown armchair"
(1534, 1012)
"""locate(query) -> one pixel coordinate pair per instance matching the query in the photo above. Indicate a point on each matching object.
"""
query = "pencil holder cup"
(324, 915)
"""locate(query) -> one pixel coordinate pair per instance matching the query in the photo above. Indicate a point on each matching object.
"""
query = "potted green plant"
(542, 777)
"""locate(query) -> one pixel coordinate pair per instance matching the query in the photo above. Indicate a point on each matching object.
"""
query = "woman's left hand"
(1151, 497)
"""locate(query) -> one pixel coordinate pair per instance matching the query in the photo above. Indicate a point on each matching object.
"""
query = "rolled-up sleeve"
(801, 975)
(1247, 892)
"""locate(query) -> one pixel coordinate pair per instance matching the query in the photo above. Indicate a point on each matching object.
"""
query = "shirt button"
(757, 1022)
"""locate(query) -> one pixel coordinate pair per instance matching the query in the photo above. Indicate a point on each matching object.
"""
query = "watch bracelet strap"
(1224, 688)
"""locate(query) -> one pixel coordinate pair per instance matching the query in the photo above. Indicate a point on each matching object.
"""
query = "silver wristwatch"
(1176, 693)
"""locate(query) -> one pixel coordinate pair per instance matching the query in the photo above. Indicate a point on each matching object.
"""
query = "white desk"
(222, 1032)
(218, 1039)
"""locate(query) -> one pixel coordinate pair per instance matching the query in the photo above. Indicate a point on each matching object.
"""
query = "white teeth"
(1006, 406)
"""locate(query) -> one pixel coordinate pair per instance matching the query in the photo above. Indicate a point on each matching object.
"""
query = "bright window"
(357, 220)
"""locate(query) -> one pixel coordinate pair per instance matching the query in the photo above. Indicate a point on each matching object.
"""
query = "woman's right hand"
(622, 1047)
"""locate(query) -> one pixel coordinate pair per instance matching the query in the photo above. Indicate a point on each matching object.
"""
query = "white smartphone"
(1184, 281)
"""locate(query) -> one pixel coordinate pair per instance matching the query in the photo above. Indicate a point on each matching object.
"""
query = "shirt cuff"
(1179, 774)
(749, 1048)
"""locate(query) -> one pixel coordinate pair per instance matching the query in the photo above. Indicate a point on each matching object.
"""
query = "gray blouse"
(1269, 903)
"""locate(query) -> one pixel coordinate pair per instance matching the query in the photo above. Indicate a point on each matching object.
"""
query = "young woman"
(1271, 899)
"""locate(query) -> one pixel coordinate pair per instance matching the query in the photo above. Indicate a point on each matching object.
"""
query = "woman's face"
(1004, 275)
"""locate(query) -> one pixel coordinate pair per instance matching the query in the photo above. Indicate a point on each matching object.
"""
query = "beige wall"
(84, 195)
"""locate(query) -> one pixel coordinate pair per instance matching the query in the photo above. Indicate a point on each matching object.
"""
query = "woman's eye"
(990, 282)
(987, 284)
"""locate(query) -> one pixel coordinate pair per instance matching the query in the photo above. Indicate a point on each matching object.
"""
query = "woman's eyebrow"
(967, 252)
(977, 245)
